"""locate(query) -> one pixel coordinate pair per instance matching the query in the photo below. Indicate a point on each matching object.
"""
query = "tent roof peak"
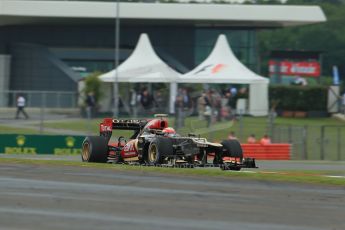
(222, 53)
(143, 65)
(222, 66)
(144, 51)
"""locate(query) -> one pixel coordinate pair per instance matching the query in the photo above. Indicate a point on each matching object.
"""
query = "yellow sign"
(20, 150)
(20, 140)
(70, 141)
(66, 151)
(40, 144)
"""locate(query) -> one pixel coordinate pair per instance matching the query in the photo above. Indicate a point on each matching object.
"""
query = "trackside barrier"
(40, 144)
(267, 152)
(61, 145)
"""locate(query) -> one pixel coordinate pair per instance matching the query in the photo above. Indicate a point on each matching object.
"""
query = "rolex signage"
(40, 144)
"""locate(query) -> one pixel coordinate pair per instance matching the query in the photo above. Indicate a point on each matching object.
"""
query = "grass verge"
(296, 176)
(12, 130)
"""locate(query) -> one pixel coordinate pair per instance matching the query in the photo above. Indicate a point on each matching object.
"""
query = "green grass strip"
(299, 176)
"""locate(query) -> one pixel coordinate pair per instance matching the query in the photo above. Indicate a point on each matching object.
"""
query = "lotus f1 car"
(154, 143)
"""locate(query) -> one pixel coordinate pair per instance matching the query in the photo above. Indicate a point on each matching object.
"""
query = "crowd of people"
(210, 105)
(265, 140)
(215, 106)
(144, 103)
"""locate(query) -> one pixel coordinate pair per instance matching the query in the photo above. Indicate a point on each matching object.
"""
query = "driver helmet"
(169, 131)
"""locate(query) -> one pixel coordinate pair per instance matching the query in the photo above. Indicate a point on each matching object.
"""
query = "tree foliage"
(327, 37)
(93, 84)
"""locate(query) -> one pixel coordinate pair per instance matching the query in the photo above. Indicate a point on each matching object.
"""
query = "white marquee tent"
(222, 66)
(144, 65)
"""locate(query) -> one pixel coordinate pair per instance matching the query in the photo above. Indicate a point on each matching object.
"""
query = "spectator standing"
(218, 107)
(183, 105)
(21, 102)
(146, 101)
(265, 140)
(187, 101)
(343, 103)
(251, 139)
(159, 102)
(226, 105)
(208, 108)
(211, 97)
(90, 104)
(133, 103)
(214, 103)
(179, 122)
(232, 136)
(233, 91)
(201, 103)
(231, 104)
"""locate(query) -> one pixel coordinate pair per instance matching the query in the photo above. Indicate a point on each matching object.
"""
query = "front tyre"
(232, 148)
(95, 149)
(154, 154)
(158, 149)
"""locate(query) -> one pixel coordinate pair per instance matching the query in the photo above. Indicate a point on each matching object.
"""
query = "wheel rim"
(86, 151)
(153, 153)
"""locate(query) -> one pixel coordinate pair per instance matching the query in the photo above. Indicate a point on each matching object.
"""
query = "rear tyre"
(233, 148)
(158, 148)
(95, 149)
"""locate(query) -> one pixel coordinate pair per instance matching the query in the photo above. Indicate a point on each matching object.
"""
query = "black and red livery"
(150, 145)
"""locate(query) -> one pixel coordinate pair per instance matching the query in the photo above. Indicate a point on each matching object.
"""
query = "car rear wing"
(109, 124)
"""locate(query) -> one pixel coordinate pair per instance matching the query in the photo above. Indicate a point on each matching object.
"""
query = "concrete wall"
(35, 68)
(5, 65)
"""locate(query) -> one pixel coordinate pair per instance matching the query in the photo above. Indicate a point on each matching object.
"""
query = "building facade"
(51, 45)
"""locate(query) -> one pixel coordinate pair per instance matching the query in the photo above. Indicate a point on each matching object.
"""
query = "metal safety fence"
(48, 99)
(317, 142)
(313, 142)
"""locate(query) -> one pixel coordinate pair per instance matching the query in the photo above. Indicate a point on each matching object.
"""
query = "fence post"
(58, 100)
(43, 104)
(74, 98)
(29, 104)
(305, 146)
(290, 134)
(339, 143)
(14, 101)
(241, 126)
(279, 131)
(322, 143)
(273, 133)
(271, 117)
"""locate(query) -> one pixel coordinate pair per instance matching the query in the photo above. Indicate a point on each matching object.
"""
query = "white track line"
(269, 172)
(342, 177)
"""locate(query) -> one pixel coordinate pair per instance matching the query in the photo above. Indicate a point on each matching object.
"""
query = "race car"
(154, 143)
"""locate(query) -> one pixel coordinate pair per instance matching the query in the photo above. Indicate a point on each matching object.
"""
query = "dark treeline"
(328, 37)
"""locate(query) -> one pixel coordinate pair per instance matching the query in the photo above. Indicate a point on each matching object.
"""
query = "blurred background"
(54, 54)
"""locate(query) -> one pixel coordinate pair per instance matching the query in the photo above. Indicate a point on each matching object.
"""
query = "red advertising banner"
(307, 69)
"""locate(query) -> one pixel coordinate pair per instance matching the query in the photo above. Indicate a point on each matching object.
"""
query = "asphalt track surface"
(65, 197)
(266, 165)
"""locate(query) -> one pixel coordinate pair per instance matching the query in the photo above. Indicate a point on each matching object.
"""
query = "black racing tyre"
(235, 168)
(95, 149)
(227, 167)
(233, 148)
(118, 158)
(190, 160)
(158, 148)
